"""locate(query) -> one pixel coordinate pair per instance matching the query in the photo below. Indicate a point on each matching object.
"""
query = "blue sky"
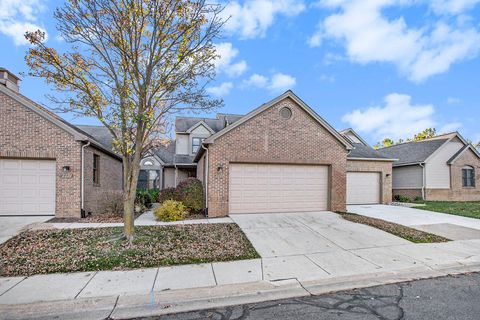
(387, 68)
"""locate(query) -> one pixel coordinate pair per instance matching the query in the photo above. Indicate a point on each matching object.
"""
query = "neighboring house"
(283, 157)
(42, 156)
(441, 168)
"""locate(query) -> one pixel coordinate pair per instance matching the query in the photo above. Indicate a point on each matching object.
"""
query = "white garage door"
(363, 187)
(27, 187)
(257, 188)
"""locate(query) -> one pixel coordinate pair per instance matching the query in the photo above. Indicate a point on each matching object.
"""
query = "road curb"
(174, 301)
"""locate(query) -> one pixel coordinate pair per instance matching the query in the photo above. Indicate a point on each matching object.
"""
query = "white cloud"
(278, 82)
(221, 90)
(327, 78)
(254, 17)
(18, 17)
(225, 64)
(397, 118)
(256, 80)
(453, 100)
(282, 82)
(418, 53)
(452, 6)
(316, 39)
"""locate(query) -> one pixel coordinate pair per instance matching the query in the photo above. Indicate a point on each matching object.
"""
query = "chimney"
(9, 80)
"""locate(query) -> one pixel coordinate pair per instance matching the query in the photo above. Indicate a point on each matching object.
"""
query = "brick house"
(283, 157)
(444, 167)
(41, 160)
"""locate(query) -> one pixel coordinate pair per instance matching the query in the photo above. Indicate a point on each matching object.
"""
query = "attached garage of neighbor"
(269, 188)
(363, 187)
(27, 187)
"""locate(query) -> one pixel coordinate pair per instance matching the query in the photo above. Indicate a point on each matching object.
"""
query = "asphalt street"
(452, 298)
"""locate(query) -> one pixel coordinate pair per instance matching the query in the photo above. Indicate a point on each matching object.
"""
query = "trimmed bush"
(401, 198)
(167, 194)
(111, 202)
(171, 210)
(418, 199)
(190, 192)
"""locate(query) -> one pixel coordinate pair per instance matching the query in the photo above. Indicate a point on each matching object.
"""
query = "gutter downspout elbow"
(82, 192)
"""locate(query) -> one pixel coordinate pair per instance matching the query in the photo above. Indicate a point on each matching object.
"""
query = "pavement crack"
(109, 317)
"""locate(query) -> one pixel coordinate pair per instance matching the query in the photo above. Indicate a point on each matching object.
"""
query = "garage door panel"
(27, 187)
(363, 187)
(257, 188)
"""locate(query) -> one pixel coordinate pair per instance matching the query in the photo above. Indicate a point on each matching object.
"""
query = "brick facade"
(383, 167)
(27, 135)
(97, 195)
(410, 193)
(268, 138)
(457, 191)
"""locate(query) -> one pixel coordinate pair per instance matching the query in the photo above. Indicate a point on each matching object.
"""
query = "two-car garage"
(262, 188)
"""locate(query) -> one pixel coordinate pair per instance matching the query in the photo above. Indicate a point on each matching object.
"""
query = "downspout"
(206, 178)
(176, 173)
(423, 180)
(82, 195)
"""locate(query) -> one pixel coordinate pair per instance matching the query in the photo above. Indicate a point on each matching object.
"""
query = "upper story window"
(96, 169)
(196, 142)
(468, 177)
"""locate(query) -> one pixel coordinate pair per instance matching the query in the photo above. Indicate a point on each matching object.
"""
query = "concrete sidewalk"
(446, 225)
(146, 219)
(168, 289)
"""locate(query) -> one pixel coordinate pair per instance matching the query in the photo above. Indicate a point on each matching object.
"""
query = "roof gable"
(265, 106)
(198, 124)
(350, 131)
(460, 152)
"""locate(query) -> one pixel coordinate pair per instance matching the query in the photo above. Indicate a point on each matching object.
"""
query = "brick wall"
(457, 191)
(97, 196)
(268, 138)
(25, 134)
(385, 168)
(410, 193)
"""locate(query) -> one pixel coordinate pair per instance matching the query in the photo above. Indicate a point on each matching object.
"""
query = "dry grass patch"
(398, 230)
(52, 251)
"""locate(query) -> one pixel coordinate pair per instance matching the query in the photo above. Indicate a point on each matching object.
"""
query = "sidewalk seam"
(214, 276)
(86, 284)
(16, 284)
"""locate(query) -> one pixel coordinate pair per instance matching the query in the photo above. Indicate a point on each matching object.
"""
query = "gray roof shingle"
(362, 151)
(99, 133)
(412, 152)
(182, 124)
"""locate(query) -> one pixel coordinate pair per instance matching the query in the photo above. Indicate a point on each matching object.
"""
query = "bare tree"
(131, 64)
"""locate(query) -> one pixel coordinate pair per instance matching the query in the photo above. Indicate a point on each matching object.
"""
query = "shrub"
(171, 210)
(154, 194)
(143, 199)
(111, 202)
(401, 198)
(190, 192)
(168, 194)
(418, 199)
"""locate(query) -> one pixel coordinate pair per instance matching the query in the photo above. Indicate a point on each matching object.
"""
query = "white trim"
(344, 132)
(296, 99)
(198, 124)
(372, 159)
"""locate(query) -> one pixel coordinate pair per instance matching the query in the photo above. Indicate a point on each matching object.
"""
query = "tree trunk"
(131, 169)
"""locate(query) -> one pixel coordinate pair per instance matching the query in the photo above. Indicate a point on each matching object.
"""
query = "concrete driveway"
(11, 226)
(320, 244)
(446, 225)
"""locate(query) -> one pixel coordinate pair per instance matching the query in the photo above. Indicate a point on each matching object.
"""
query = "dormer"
(353, 137)
(189, 141)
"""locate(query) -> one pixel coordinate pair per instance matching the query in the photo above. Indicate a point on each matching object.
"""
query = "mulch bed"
(93, 249)
(398, 230)
(98, 218)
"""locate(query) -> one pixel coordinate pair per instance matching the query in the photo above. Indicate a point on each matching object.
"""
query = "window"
(196, 142)
(468, 177)
(96, 169)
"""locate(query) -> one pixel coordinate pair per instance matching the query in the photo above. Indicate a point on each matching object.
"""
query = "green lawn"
(465, 209)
